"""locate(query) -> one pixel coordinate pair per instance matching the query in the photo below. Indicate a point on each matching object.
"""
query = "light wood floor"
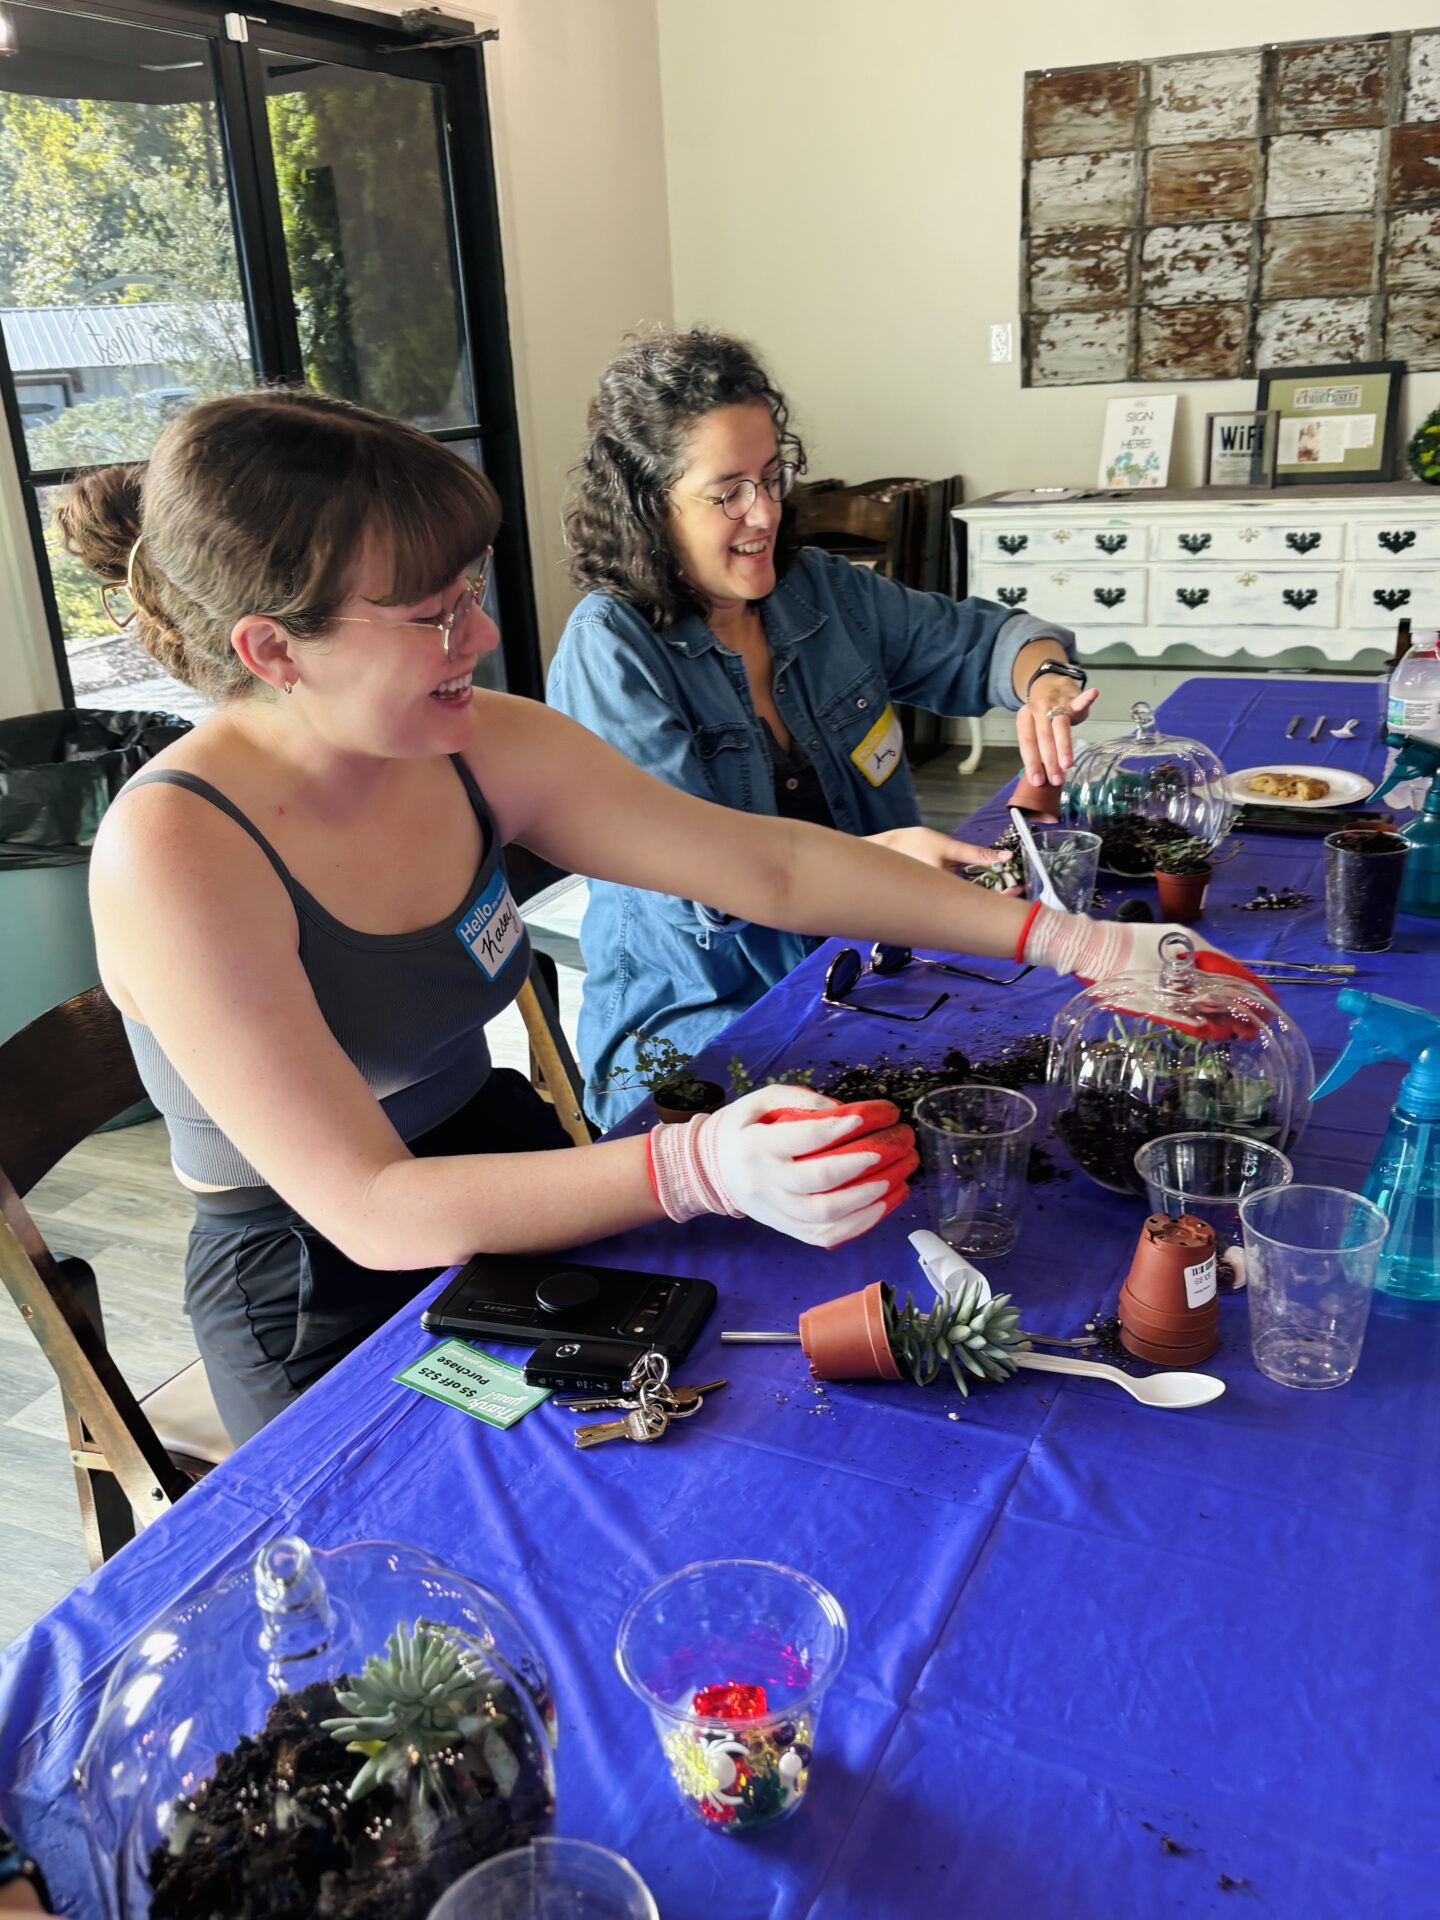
(115, 1202)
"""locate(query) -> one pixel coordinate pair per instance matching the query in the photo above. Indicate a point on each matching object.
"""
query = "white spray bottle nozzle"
(947, 1271)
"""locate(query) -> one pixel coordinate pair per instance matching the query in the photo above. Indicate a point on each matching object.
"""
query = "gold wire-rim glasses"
(471, 599)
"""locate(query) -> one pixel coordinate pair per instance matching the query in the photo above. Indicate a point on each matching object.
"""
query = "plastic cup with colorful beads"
(732, 1658)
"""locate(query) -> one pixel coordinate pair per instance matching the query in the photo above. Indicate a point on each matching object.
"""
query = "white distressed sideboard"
(1160, 585)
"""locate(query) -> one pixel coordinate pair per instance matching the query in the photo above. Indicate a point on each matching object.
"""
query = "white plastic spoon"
(1156, 1390)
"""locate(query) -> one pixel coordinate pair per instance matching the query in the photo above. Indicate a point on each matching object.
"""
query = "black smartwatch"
(1065, 668)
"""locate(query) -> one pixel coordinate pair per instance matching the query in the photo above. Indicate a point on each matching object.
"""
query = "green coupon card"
(462, 1376)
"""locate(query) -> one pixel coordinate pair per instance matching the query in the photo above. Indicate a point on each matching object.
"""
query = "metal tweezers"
(1301, 973)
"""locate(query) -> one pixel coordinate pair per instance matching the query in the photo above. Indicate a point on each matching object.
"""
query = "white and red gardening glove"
(1100, 949)
(790, 1158)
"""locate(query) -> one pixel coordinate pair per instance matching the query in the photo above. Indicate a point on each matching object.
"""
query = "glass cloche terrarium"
(323, 1734)
(1184, 1051)
(1143, 789)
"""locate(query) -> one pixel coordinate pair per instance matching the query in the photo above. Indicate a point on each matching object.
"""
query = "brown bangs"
(433, 512)
(319, 475)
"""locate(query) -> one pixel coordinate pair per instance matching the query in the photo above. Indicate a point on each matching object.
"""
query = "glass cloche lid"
(1186, 1051)
(1145, 788)
(323, 1734)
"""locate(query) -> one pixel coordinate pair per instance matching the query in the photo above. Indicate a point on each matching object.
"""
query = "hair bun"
(99, 519)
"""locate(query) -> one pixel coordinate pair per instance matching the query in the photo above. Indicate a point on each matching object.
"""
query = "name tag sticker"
(463, 1376)
(882, 749)
(492, 928)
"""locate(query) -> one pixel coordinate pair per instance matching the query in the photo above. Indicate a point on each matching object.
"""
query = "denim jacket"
(845, 643)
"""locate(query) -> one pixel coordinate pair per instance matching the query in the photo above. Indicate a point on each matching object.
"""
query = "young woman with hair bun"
(302, 913)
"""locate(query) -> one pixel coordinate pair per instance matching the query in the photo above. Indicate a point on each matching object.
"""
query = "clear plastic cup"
(1208, 1175)
(550, 1880)
(733, 1657)
(1310, 1260)
(1071, 858)
(975, 1148)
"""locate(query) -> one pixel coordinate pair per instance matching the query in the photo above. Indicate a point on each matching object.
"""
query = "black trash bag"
(60, 771)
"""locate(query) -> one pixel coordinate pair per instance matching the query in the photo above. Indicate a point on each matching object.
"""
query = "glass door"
(183, 213)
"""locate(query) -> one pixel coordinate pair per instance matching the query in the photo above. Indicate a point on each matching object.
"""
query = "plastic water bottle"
(1404, 1183)
(1413, 707)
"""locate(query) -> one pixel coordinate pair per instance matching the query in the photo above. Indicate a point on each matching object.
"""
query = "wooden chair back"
(61, 1078)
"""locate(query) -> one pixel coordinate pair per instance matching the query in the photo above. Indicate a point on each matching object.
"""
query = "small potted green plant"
(1423, 452)
(1182, 873)
(869, 1336)
(669, 1077)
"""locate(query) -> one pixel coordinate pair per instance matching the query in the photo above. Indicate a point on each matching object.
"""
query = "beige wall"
(845, 191)
(575, 91)
(575, 94)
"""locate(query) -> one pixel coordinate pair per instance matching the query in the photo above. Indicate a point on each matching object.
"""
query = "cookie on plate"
(1289, 786)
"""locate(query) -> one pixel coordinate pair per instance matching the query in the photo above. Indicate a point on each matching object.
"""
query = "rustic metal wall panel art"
(1204, 217)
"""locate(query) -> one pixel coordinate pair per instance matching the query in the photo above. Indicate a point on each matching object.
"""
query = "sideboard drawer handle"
(1397, 542)
(1300, 597)
(1192, 597)
(1302, 542)
(1392, 598)
(1013, 596)
(1195, 542)
(1014, 542)
(1110, 542)
(1109, 596)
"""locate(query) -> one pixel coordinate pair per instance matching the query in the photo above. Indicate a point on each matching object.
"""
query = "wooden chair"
(553, 1066)
(61, 1077)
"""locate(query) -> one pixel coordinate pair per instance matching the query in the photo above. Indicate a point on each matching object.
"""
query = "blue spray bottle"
(1419, 760)
(1404, 1181)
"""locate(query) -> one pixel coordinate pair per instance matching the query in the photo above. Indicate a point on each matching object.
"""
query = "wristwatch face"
(1061, 671)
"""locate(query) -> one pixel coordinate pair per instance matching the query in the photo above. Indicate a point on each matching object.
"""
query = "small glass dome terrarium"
(1187, 1051)
(324, 1734)
(1145, 789)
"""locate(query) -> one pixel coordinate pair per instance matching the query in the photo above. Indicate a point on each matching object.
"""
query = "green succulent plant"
(975, 1334)
(424, 1696)
(1184, 856)
(1423, 452)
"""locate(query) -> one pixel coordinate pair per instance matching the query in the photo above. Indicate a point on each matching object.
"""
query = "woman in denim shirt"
(763, 686)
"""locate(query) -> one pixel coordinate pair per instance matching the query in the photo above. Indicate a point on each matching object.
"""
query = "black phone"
(521, 1297)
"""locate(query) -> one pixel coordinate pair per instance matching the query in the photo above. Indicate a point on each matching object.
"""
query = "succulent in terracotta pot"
(869, 1336)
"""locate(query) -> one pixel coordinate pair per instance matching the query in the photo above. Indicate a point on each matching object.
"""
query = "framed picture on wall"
(1240, 448)
(1336, 423)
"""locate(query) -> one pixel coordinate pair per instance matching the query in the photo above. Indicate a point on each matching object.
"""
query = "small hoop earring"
(289, 686)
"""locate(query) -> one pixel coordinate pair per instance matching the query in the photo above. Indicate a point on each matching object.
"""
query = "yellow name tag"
(882, 749)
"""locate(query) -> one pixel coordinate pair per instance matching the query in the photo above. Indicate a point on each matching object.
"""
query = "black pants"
(274, 1304)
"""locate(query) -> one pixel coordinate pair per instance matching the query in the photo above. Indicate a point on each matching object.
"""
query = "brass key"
(687, 1396)
(641, 1423)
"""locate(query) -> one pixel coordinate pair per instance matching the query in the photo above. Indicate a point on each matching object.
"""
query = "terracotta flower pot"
(1169, 1307)
(1162, 1356)
(1168, 1250)
(1038, 797)
(1169, 1329)
(714, 1099)
(844, 1339)
(1182, 895)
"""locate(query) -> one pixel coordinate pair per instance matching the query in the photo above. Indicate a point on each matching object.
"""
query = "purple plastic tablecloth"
(1104, 1660)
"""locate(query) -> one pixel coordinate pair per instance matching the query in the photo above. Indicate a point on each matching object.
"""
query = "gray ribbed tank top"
(408, 1008)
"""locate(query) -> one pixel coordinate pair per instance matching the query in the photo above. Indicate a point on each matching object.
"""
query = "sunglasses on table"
(845, 971)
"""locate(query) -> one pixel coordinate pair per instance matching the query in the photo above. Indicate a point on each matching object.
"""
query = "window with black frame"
(183, 215)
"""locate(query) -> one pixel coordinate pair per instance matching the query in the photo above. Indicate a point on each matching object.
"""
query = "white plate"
(1344, 787)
